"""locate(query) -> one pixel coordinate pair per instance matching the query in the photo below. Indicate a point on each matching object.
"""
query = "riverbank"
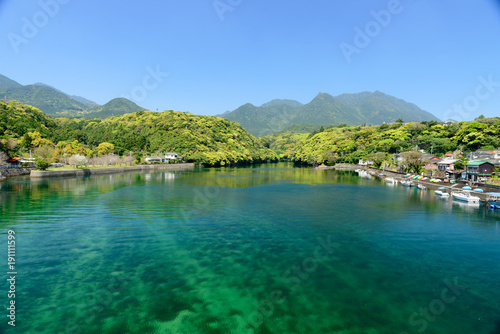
(87, 172)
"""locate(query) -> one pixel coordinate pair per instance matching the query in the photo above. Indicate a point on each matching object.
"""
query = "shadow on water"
(496, 330)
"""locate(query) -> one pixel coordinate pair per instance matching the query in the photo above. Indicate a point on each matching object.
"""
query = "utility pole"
(432, 147)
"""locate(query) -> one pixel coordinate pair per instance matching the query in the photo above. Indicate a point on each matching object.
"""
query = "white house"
(172, 156)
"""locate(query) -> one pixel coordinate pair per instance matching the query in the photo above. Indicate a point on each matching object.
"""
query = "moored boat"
(465, 196)
(406, 183)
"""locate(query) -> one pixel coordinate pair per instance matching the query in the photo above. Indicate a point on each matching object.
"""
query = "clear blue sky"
(429, 52)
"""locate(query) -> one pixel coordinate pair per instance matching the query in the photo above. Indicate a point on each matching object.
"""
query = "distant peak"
(276, 102)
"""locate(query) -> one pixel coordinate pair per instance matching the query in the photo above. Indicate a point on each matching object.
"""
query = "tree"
(105, 148)
(414, 160)
(378, 158)
(78, 160)
(459, 165)
(41, 164)
(45, 152)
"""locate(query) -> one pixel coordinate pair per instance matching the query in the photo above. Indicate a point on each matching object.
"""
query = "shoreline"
(36, 174)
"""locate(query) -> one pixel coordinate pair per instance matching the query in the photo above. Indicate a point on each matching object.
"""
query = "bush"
(41, 164)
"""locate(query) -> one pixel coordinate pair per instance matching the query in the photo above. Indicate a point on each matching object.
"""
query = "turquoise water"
(269, 249)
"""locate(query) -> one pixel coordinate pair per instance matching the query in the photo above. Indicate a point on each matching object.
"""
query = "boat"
(390, 179)
(441, 192)
(406, 183)
(465, 196)
(494, 205)
(478, 190)
(421, 187)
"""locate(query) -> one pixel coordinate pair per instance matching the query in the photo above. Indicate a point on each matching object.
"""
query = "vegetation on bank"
(211, 141)
(348, 144)
(214, 141)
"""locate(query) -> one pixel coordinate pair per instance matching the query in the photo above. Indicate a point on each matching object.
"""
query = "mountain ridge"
(325, 109)
(56, 103)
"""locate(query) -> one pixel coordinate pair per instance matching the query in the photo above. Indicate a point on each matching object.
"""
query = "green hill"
(47, 99)
(54, 102)
(261, 121)
(8, 83)
(16, 119)
(324, 109)
(378, 108)
(115, 107)
(205, 139)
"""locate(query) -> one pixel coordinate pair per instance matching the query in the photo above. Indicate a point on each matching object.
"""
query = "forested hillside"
(348, 144)
(204, 139)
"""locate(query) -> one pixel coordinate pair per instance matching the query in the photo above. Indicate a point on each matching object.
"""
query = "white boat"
(390, 179)
(406, 183)
(441, 193)
(421, 187)
(465, 196)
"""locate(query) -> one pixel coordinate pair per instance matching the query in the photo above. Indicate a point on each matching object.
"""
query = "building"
(362, 162)
(485, 154)
(447, 164)
(432, 161)
(479, 169)
(172, 156)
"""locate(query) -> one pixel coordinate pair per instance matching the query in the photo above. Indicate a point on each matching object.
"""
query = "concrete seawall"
(87, 172)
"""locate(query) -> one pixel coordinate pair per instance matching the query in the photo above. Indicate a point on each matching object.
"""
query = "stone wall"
(15, 171)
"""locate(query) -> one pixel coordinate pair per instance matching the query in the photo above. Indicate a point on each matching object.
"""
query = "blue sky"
(441, 55)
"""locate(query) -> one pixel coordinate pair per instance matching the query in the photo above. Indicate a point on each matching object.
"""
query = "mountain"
(8, 83)
(54, 102)
(378, 108)
(115, 107)
(324, 109)
(275, 102)
(83, 100)
(80, 99)
(264, 120)
(47, 99)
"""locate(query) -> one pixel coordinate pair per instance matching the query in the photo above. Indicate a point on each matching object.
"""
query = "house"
(16, 161)
(432, 161)
(361, 162)
(19, 162)
(172, 156)
(447, 165)
(485, 154)
(480, 168)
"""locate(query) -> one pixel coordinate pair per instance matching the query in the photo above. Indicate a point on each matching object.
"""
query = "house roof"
(479, 163)
(448, 161)
(14, 159)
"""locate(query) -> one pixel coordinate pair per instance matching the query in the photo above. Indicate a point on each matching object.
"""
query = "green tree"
(414, 160)
(41, 164)
(105, 148)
